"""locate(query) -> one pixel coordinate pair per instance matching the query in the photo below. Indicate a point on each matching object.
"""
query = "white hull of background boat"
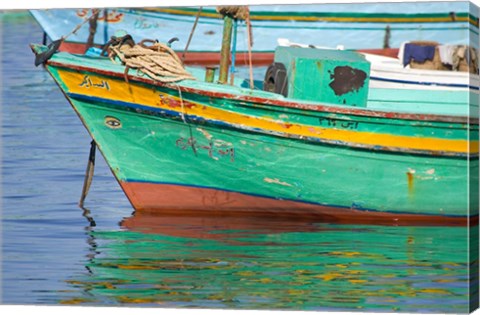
(354, 25)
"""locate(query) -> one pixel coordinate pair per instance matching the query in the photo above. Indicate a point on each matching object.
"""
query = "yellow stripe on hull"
(259, 17)
(119, 90)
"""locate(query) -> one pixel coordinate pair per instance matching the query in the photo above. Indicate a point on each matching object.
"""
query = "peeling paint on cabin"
(346, 79)
(276, 181)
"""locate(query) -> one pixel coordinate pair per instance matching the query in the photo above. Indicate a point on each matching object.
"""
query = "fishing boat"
(429, 85)
(371, 27)
(178, 145)
(448, 91)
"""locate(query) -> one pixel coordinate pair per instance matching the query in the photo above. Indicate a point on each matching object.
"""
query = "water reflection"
(87, 214)
(264, 263)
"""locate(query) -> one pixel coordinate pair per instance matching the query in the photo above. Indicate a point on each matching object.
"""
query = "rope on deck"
(158, 61)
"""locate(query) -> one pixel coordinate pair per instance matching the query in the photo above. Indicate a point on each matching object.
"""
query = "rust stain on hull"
(410, 183)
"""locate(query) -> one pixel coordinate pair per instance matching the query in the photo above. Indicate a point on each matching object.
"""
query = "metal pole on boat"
(386, 38)
(234, 52)
(105, 26)
(225, 51)
(250, 44)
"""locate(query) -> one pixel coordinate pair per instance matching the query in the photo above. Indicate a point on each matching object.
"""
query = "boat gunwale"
(338, 17)
(275, 102)
(349, 145)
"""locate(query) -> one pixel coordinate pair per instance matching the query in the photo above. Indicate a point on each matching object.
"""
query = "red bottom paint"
(213, 58)
(164, 199)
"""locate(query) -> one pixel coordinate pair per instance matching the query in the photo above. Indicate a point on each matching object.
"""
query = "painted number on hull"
(330, 122)
(216, 149)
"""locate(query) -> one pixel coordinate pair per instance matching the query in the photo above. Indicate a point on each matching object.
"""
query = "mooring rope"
(191, 33)
(85, 20)
(158, 61)
(92, 30)
(182, 114)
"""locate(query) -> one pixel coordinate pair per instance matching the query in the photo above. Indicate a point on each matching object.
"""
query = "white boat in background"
(419, 90)
(387, 72)
(357, 26)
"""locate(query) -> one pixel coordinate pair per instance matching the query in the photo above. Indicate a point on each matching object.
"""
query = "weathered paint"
(225, 52)
(346, 79)
(411, 184)
(210, 74)
(325, 75)
(255, 146)
(209, 157)
(187, 200)
(340, 131)
(258, 97)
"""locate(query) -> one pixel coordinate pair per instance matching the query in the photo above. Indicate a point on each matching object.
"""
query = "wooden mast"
(230, 13)
(225, 51)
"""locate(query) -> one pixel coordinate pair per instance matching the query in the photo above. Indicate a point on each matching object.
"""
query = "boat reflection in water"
(265, 263)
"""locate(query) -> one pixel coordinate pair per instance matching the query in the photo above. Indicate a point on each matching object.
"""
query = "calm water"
(51, 254)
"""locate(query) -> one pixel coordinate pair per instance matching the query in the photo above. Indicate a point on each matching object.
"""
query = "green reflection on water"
(215, 263)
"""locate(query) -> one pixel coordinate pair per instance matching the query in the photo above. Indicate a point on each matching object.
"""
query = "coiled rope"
(158, 61)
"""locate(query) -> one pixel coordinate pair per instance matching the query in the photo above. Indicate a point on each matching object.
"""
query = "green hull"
(444, 102)
(157, 150)
(198, 146)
